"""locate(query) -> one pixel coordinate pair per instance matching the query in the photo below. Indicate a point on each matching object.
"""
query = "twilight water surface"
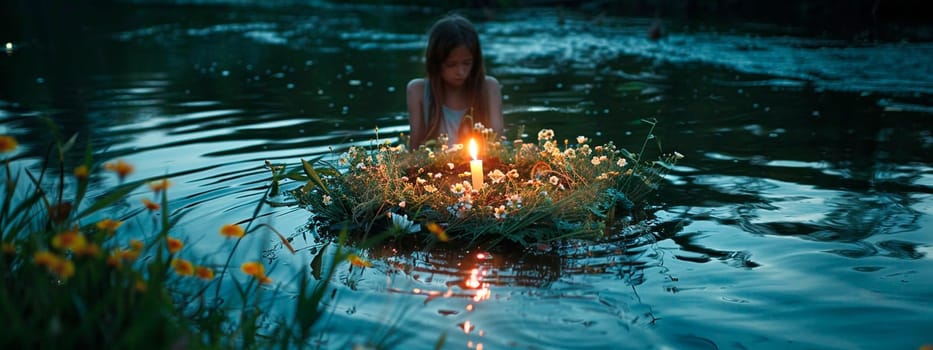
(800, 217)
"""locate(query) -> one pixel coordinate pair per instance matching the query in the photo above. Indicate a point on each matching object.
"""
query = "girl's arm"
(494, 95)
(415, 99)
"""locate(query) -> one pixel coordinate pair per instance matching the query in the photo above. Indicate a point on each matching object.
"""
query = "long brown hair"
(445, 35)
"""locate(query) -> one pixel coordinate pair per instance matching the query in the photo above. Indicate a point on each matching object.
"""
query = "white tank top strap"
(450, 123)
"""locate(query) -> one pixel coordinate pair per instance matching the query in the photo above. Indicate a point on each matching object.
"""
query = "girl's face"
(457, 67)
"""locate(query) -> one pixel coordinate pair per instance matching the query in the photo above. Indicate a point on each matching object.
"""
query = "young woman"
(456, 93)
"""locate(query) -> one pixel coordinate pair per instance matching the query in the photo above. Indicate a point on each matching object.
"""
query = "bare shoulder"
(492, 82)
(414, 93)
(415, 87)
(492, 86)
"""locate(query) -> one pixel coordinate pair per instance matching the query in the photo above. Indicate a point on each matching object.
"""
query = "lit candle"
(476, 166)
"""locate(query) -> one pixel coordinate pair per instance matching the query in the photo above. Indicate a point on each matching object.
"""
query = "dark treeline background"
(859, 20)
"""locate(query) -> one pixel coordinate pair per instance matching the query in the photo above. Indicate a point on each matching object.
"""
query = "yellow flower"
(355, 260)
(140, 286)
(63, 268)
(136, 245)
(204, 273)
(439, 231)
(7, 143)
(173, 244)
(73, 240)
(231, 230)
(45, 258)
(152, 206)
(109, 225)
(158, 186)
(120, 167)
(256, 270)
(115, 258)
(91, 249)
(81, 172)
(129, 255)
(118, 256)
(253, 268)
(183, 267)
(57, 265)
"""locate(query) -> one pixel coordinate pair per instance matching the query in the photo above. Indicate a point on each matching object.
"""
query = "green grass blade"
(116, 195)
(309, 170)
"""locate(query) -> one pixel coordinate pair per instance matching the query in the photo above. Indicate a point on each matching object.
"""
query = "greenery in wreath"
(523, 192)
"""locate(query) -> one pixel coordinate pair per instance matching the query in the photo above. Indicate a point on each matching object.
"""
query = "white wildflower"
(457, 189)
(570, 153)
(595, 161)
(581, 139)
(621, 162)
(402, 222)
(327, 200)
(496, 176)
(514, 201)
(467, 200)
(500, 213)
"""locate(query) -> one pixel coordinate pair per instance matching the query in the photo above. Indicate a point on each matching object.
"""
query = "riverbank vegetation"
(75, 276)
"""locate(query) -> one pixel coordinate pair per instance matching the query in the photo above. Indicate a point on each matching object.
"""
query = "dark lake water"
(800, 217)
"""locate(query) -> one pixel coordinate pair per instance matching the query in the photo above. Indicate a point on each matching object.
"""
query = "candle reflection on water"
(458, 282)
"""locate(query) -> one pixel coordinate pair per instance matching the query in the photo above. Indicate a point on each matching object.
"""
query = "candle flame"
(473, 149)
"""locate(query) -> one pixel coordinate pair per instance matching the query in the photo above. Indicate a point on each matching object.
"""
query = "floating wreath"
(518, 191)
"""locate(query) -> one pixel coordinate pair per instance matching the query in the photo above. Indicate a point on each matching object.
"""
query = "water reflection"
(804, 193)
